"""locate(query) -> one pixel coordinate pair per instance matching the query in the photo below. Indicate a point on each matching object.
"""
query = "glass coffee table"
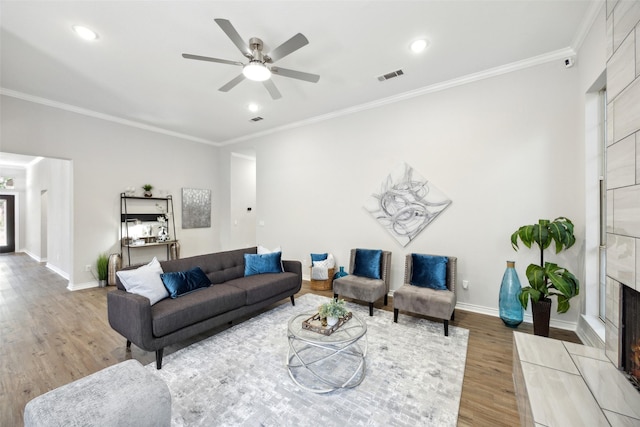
(324, 363)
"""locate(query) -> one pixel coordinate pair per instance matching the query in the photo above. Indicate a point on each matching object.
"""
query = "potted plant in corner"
(547, 279)
(102, 265)
(333, 311)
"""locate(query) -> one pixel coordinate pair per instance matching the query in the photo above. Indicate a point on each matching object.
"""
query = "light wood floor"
(50, 336)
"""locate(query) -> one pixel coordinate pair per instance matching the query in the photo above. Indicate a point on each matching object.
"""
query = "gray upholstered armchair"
(429, 288)
(368, 279)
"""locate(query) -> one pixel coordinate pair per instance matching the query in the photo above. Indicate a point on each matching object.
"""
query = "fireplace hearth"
(631, 335)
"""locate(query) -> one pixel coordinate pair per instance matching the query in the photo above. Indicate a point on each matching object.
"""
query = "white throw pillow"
(331, 261)
(145, 281)
(324, 263)
(319, 273)
(262, 250)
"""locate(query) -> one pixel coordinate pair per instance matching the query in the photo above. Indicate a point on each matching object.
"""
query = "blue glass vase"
(511, 311)
(340, 273)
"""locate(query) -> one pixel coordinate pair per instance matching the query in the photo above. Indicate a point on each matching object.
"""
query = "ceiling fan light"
(256, 71)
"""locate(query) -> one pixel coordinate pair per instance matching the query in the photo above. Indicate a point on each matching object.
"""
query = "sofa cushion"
(260, 287)
(180, 283)
(145, 281)
(219, 267)
(262, 263)
(170, 315)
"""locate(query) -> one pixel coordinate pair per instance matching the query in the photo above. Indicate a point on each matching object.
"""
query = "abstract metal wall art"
(196, 208)
(405, 203)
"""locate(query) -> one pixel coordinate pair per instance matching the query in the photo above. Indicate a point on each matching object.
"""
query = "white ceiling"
(134, 71)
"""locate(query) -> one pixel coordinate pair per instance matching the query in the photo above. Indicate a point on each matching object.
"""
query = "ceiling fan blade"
(291, 45)
(273, 90)
(300, 75)
(206, 58)
(231, 32)
(233, 83)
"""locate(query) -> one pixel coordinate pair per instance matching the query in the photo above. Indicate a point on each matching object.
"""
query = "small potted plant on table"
(333, 311)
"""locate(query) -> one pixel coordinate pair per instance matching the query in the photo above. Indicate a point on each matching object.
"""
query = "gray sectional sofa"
(231, 296)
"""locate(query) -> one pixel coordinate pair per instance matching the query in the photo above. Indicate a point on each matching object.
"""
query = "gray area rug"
(239, 376)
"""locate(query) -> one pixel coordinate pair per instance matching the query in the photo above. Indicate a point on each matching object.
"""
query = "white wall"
(506, 150)
(107, 158)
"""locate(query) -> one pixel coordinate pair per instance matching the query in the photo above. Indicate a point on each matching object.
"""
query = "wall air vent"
(391, 75)
(256, 119)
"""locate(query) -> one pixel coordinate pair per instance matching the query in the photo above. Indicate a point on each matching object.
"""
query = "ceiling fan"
(259, 67)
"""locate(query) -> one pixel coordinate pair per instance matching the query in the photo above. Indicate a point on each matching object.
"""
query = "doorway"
(7, 224)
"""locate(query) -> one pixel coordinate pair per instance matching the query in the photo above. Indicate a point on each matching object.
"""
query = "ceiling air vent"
(256, 119)
(391, 75)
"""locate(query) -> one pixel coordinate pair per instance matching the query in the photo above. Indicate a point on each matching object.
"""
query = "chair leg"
(128, 345)
(159, 358)
(293, 301)
(395, 315)
(386, 299)
(370, 309)
(335, 296)
(446, 328)
(453, 314)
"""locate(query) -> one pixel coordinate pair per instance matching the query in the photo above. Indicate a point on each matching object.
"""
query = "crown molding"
(460, 81)
(102, 116)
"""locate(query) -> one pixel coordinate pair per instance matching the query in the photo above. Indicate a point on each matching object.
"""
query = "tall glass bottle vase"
(511, 311)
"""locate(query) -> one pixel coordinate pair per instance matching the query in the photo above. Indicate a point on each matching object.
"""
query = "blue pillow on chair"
(367, 263)
(262, 263)
(182, 282)
(429, 271)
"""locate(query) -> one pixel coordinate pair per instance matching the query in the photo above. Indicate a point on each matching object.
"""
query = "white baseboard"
(554, 323)
(591, 331)
(79, 286)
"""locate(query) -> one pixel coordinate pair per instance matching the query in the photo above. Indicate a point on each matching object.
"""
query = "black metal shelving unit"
(126, 243)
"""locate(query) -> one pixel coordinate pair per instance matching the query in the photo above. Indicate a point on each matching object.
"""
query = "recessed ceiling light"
(253, 107)
(84, 32)
(419, 45)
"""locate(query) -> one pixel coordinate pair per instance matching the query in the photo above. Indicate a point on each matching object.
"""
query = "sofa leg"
(395, 315)
(386, 299)
(335, 296)
(446, 328)
(370, 309)
(293, 301)
(159, 358)
(128, 345)
(453, 315)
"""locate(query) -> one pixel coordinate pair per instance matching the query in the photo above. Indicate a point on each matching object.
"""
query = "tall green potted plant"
(102, 265)
(547, 279)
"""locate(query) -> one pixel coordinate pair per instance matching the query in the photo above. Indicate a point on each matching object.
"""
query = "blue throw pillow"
(318, 257)
(367, 263)
(429, 271)
(182, 282)
(262, 263)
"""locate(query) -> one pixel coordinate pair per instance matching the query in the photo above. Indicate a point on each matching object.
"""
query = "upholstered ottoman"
(125, 394)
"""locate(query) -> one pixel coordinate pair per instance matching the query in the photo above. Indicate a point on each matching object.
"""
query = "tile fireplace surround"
(564, 384)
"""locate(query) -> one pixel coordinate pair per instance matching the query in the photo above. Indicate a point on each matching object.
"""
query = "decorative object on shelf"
(130, 191)
(333, 311)
(511, 311)
(405, 203)
(147, 190)
(340, 273)
(547, 279)
(196, 208)
(102, 266)
(163, 236)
